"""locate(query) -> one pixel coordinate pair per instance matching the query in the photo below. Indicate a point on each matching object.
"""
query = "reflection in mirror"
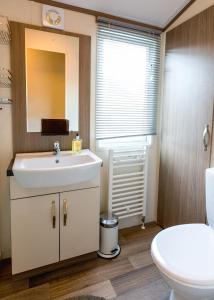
(52, 78)
(45, 87)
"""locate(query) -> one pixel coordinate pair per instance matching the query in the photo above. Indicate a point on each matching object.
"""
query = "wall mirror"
(68, 56)
(52, 78)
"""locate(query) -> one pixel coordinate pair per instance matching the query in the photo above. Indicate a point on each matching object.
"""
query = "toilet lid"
(186, 253)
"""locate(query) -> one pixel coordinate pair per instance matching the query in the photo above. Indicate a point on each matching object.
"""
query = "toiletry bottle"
(76, 144)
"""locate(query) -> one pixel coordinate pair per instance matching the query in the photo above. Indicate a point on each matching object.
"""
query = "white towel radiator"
(127, 183)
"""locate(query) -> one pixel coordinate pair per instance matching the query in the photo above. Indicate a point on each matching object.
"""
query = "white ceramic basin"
(39, 170)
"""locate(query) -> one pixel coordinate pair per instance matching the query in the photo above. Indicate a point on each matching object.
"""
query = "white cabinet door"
(35, 237)
(79, 218)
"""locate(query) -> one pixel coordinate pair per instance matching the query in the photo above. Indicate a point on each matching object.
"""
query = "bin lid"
(108, 221)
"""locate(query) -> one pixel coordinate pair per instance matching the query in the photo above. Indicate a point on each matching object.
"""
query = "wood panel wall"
(24, 141)
(187, 108)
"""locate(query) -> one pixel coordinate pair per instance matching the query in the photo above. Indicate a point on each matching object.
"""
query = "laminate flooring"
(130, 276)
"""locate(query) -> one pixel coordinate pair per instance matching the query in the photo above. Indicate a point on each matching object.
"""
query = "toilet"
(184, 254)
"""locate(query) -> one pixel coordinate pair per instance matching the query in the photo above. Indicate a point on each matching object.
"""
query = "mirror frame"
(24, 141)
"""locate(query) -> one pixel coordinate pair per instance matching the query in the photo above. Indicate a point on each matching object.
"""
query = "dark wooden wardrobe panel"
(187, 108)
(24, 141)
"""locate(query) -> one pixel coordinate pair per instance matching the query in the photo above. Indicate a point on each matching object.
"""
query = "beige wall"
(5, 156)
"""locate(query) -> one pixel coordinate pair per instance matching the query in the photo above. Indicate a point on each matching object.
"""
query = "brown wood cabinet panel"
(24, 141)
(187, 108)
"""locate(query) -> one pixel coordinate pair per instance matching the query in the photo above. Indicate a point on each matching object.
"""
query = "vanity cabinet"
(35, 239)
(79, 224)
(50, 228)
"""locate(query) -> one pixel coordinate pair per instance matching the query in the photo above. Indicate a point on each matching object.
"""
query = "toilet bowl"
(184, 254)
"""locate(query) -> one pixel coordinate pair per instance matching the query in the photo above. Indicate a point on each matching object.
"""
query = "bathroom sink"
(45, 170)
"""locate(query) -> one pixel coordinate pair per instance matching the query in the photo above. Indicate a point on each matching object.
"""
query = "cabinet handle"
(206, 137)
(53, 214)
(65, 212)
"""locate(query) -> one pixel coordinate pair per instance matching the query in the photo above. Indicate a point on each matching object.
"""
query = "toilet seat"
(186, 254)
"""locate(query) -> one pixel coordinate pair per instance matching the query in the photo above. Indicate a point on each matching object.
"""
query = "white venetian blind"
(127, 82)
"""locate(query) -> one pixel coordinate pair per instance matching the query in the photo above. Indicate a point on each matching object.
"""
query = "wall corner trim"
(180, 13)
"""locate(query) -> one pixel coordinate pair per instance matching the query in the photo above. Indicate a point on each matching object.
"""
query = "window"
(127, 83)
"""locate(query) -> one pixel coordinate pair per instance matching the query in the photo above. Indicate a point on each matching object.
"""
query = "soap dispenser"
(76, 144)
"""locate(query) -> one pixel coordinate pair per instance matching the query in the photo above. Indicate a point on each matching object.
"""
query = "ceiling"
(153, 12)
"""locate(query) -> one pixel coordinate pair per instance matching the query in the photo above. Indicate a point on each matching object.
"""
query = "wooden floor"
(131, 276)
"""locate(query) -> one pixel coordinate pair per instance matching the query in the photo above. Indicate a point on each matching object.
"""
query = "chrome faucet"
(56, 148)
